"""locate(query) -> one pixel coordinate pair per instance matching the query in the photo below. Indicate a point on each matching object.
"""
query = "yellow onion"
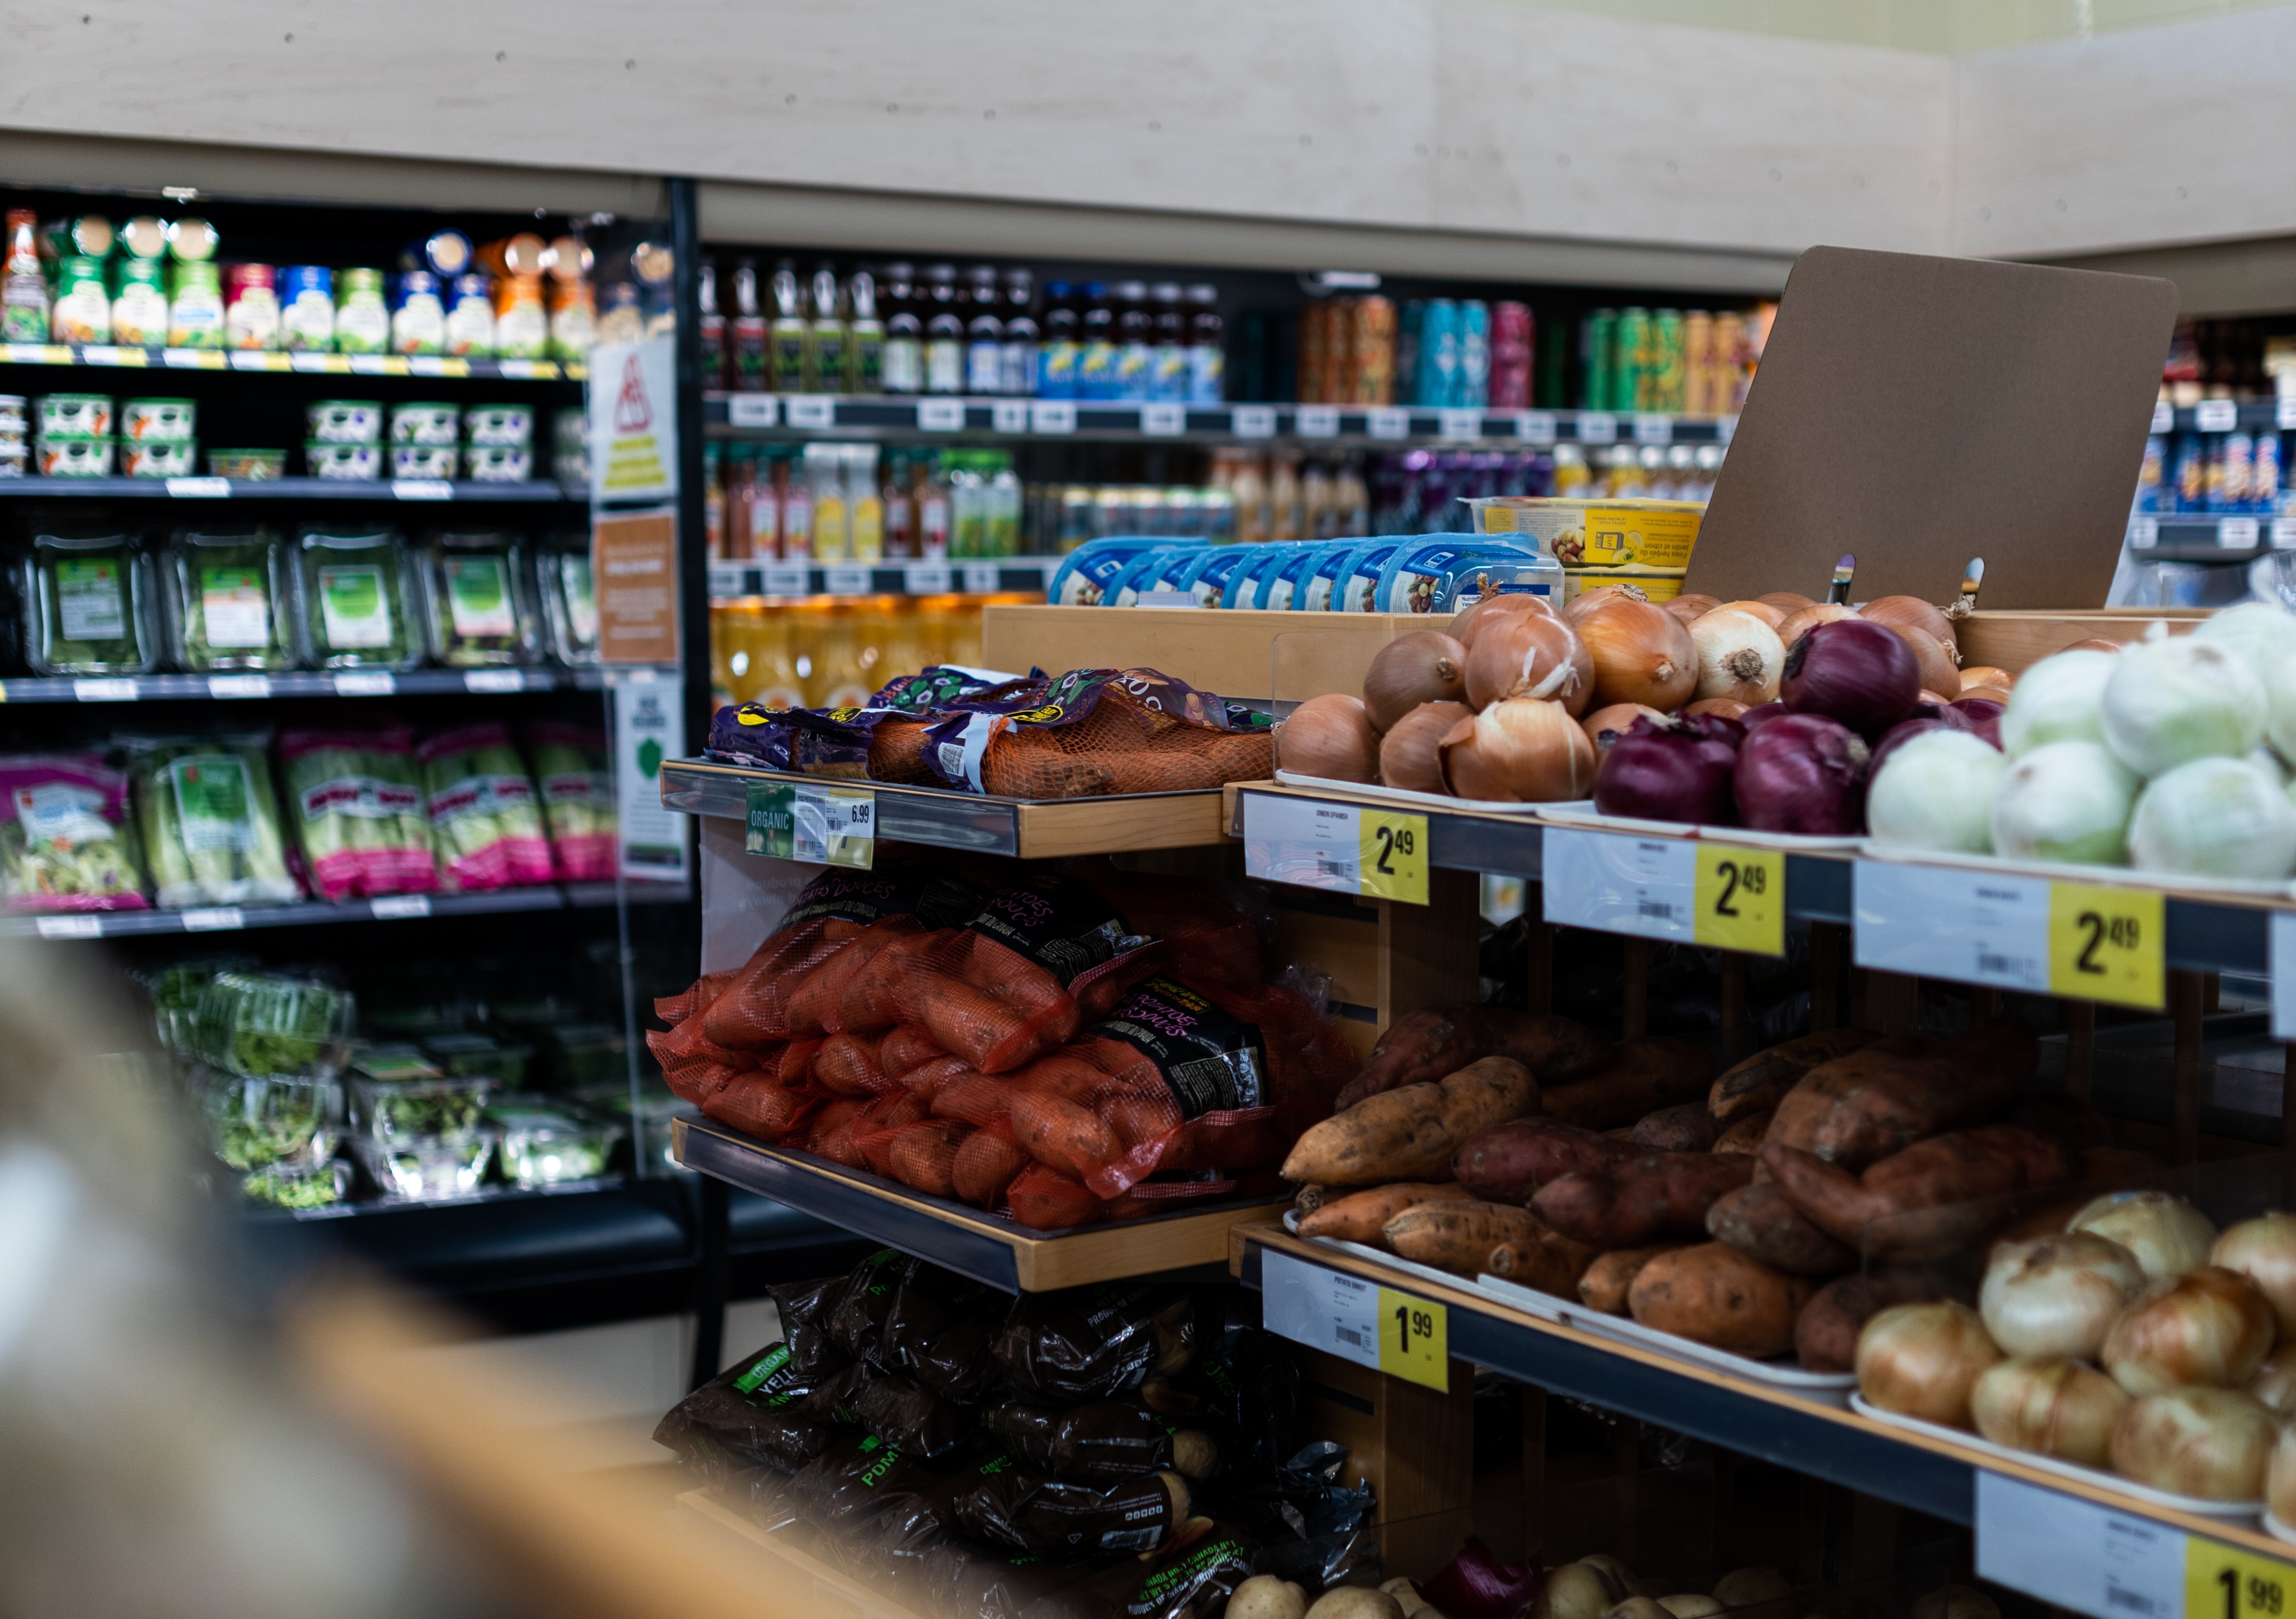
(1739, 656)
(1529, 654)
(2274, 1382)
(2168, 1236)
(2264, 1250)
(1688, 607)
(2280, 1476)
(1425, 666)
(1524, 750)
(1641, 653)
(2051, 1404)
(2210, 1326)
(1328, 736)
(1935, 659)
(1407, 756)
(2212, 1442)
(1606, 726)
(1986, 674)
(2094, 643)
(2057, 1295)
(1914, 614)
(1600, 596)
(1726, 708)
(1922, 1360)
(1772, 616)
(1469, 622)
(1797, 625)
(1990, 693)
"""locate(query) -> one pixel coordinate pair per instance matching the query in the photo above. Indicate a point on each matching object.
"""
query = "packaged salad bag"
(578, 799)
(486, 827)
(66, 842)
(209, 821)
(356, 799)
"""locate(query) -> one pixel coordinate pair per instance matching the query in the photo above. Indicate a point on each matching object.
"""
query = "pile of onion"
(1523, 750)
(2212, 1442)
(2057, 1295)
(2051, 1404)
(2209, 1327)
(1672, 770)
(1641, 652)
(1408, 756)
(1328, 736)
(2264, 1250)
(1425, 666)
(2166, 1235)
(1923, 1360)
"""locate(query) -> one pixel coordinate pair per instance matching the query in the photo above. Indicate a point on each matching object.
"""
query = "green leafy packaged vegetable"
(356, 799)
(485, 827)
(282, 1186)
(66, 841)
(209, 821)
(578, 799)
(175, 991)
(357, 586)
(254, 1121)
(547, 1144)
(224, 592)
(265, 1025)
(569, 597)
(439, 1108)
(480, 615)
(89, 594)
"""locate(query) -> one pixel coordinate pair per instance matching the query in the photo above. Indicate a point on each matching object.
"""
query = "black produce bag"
(757, 1414)
(939, 1330)
(1050, 1517)
(1090, 1343)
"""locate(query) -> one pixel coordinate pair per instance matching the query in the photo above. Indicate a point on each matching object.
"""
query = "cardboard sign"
(634, 570)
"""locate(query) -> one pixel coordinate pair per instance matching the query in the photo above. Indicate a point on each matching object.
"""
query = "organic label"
(237, 610)
(353, 603)
(89, 601)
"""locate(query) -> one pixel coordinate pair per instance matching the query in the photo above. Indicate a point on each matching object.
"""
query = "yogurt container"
(158, 421)
(335, 459)
(1445, 572)
(422, 460)
(498, 424)
(74, 458)
(254, 465)
(1304, 579)
(1088, 575)
(157, 458)
(424, 421)
(75, 415)
(1647, 543)
(498, 463)
(346, 422)
(15, 461)
(306, 310)
(13, 414)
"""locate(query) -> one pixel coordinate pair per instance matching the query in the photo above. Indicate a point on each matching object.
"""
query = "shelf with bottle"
(830, 653)
(434, 490)
(441, 367)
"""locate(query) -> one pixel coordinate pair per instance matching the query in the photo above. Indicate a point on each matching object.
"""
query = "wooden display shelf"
(2017, 640)
(802, 1583)
(1029, 828)
(1243, 653)
(1930, 1475)
(958, 1236)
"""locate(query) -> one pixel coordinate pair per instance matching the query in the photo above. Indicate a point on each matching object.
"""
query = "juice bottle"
(930, 622)
(965, 631)
(865, 350)
(864, 508)
(713, 328)
(806, 621)
(824, 477)
(944, 332)
(752, 374)
(1097, 346)
(872, 630)
(713, 504)
(1207, 355)
(824, 337)
(900, 507)
(1017, 374)
(772, 678)
(1167, 362)
(902, 649)
(765, 507)
(839, 679)
(932, 509)
(984, 335)
(1056, 360)
(787, 334)
(794, 496)
(730, 652)
(1135, 333)
(1002, 500)
(904, 369)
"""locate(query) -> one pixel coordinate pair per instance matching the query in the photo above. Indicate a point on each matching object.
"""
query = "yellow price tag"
(2226, 1582)
(1393, 851)
(2106, 944)
(1740, 897)
(1414, 1338)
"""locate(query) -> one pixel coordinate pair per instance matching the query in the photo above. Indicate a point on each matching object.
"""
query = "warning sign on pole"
(634, 421)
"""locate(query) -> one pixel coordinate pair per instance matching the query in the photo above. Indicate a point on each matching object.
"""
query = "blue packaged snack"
(1213, 575)
(1088, 576)
(1243, 584)
(1319, 583)
(1357, 583)
(1164, 569)
(1445, 572)
(1283, 584)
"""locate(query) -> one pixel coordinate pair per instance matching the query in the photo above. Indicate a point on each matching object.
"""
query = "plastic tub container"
(498, 463)
(89, 600)
(160, 421)
(425, 421)
(345, 421)
(271, 1025)
(476, 586)
(358, 598)
(1445, 572)
(1646, 543)
(76, 415)
(254, 465)
(1356, 587)
(353, 462)
(570, 599)
(157, 459)
(422, 460)
(73, 458)
(1088, 575)
(498, 424)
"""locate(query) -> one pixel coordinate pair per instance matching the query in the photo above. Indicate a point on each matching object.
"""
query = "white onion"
(2174, 700)
(1739, 656)
(1922, 1360)
(2059, 699)
(2280, 1476)
(2280, 709)
(2214, 817)
(2168, 1236)
(1935, 790)
(2264, 1250)
(2269, 761)
(2057, 1295)
(2211, 1443)
(2051, 1404)
(2208, 1325)
(2257, 633)
(2274, 1382)
(2064, 800)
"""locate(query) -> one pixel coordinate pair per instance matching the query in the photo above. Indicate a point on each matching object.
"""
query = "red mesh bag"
(876, 1125)
(846, 1065)
(757, 1105)
(986, 1164)
(677, 1008)
(795, 1068)
(829, 1134)
(691, 1066)
(1098, 731)
(1197, 932)
(923, 1155)
(897, 751)
(1044, 1200)
(906, 1049)
(928, 1081)
(1166, 1197)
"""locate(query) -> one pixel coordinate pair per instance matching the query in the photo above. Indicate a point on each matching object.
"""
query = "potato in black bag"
(1101, 1441)
(754, 1414)
(1195, 1580)
(901, 1412)
(1024, 1512)
(801, 1306)
(1090, 1343)
(853, 1480)
(959, 1581)
(890, 1549)
(939, 1330)
(854, 1315)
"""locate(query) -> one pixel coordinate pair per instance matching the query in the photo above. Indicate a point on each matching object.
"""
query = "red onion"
(1476, 1585)
(1803, 773)
(1983, 716)
(1860, 674)
(1762, 714)
(1672, 770)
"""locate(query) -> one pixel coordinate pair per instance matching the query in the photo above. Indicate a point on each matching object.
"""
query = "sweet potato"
(1551, 1263)
(1640, 1199)
(1605, 1284)
(1360, 1217)
(1811, 1098)
(1458, 1234)
(1826, 1333)
(1411, 1134)
(1758, 1084)
(1425, 1045)
(985, 1165)
(1510, 1161)
(1054, 1131)
(1686, 1127)
(923, 1155)
(1862, 1118)
(1714, 1295)
(1641, 1075)
(1935, 1197)
(1759, 1221)
(1308, 1198)
(1745, 1134)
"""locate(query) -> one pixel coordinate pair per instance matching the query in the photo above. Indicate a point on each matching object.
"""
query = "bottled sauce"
(1097, 346)
(787, 332)
(713, 504)
(864, 506)
(968, 505)
(864, 353)
(1017, 374)
(1057, 357)
(1207, 355)
(904, 370)
(752, 372)
(824, 337)
(933, 512)
(712, 325)
(944, 332)
(23, 289)
(900, 507)
(1003, 525)
(1134, 341)
(794, 497)
(1168, 366)
(984, 336)
(824, 476)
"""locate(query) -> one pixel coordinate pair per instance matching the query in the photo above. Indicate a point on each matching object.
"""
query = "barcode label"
(1341, 869)
(1938, 923)
(1349, 1334)
(1987, 962)
(1654, 908)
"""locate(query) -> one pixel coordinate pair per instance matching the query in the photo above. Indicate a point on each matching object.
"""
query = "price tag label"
(2078, 1553)
(364, 683)
(1164, 420)
(1375, 1327)
(1725, 428)
(2283, 533)
(982, 578)
(2230, 1583)
(239, 686)
(104, 691)
(1653, 430)
(1535, 426)
(2106, 944)
(847, 579)
(2144, 533)
(1253, 421)
(1317, 422)
(257, 359)
(2283, 946)
(1009, 416)
(449, 367)
(2216, 415)
(494, 680)
(938, 416)
(324, 365)
(216, 919)
(926, 579)
(817, 826)
(1597, 427)
(813, 410)
(726, 578)
(2284, 416)
(420, 488)
(752, 410)
(1051, 415)
(1337, 847)
(70, 927)
(2236, 534)
(2164, 417)
(1467, 424)
(1388, 422)
(2070, 938)
(195, 359)
(1740, 900)
(199, 489)
(398, 907)
(786, 578)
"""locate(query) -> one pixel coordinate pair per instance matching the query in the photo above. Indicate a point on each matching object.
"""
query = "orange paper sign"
(634, 566)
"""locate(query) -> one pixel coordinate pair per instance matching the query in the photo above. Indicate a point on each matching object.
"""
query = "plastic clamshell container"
(511, 425)
(546, 1146)
(1213, 575)
(252, 465)
(75, 415)
(89, 596)
(1445, 572)
(352, 463)
(282, 1120)
(267, 1025)
(570, 602)
(1087, 576)
(169, 421)
(417, 1108)
(1160, 572)
(226, 596)
(422, 460)
(425, 421)
(1243, 584)
(74, 458)
(345, 421)
(359, 606)
(478, 613)
(431, 1171)
(157, 459)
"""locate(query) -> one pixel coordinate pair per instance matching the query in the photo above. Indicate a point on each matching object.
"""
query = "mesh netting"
(1121, 746)
(897, 752)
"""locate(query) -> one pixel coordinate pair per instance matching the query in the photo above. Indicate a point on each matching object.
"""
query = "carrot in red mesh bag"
(1105, 730)
(677, 1008)
(846, 1065)
(832, 910)
(757, 1104)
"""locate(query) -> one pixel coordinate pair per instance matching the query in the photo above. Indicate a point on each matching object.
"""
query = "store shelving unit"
(392, 908)
(403, 490)
(987, 577)
(111, 357)
(303, 683)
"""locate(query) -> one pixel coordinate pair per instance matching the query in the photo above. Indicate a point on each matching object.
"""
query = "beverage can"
(1440, 338)
(1698, 364)
(1314, 330)
(1665, 389)
(1598, 339)
(1372, 347)
(1510, 354)
(1631, 360)
(1472, 386)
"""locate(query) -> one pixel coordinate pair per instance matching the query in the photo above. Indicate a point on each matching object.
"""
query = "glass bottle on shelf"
(1018, 370)
(773, 678)
(712, 327)
(785, 339)
(1354, 500)
(1003, 531)
(944, 332)
(1167, 362)
(752, 372)
(864, 351)
(1134, 341)
(904, 369)
(900, 508)
(1285, 501)
(1097, 346)
(765, 507)
(838, 680)
(933, 508)
(1319, 511)
(713, 502)
(793, 497)
(824, 477)
(826, 337)
(968, 506)
(1207, 355)
(1057, 357)
(23, 287)
(864, 508)
(984, 335)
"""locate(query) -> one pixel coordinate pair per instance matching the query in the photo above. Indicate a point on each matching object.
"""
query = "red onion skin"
(1803, 773)
(1476, 1585)
(1679, 771)
(1860, 674)
(1762, 714)
(1981, 716)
